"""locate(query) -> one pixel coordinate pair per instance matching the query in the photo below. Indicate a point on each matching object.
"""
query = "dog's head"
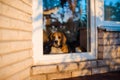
(58, 39)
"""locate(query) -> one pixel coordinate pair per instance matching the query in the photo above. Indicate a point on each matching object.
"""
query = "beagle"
(58, 43)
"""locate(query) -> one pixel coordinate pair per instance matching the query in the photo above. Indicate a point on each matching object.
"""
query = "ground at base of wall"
(104, 76)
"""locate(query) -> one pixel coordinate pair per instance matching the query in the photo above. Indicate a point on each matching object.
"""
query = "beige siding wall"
(15, 39)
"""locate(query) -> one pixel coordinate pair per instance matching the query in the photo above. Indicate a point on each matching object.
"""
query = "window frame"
(100, 21)
(37, 39)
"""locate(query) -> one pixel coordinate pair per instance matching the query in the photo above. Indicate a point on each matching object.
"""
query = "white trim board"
(40, 59)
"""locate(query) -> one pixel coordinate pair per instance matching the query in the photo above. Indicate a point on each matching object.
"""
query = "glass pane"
(112, 10)
(66, 28)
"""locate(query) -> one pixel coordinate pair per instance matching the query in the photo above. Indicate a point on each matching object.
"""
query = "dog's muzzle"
(56, 44)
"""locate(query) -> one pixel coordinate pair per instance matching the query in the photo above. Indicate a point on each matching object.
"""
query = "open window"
(63, 31)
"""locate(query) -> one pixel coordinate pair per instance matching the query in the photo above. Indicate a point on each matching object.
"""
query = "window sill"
(110, 28)
(63, 58)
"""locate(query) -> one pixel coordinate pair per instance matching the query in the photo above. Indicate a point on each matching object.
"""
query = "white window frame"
(40, 59)
(100, 21)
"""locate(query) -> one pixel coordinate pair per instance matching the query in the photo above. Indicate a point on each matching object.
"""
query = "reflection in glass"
(112, 10)
(65, 26)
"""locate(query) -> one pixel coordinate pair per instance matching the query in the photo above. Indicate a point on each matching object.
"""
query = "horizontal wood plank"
(14, 57)
(18, 4)
(20, 75)
(9, 23)
(29, 2)
(14, 46)
(12, 69)
(8, 35)
(14, 13)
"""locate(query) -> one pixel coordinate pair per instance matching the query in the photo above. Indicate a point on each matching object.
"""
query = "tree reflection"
(112, 10)
(66, 9)
(66, 16)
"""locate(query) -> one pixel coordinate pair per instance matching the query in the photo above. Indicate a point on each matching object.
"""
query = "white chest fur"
(55, 50)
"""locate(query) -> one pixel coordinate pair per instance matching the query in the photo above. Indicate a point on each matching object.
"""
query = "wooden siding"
(15, 39)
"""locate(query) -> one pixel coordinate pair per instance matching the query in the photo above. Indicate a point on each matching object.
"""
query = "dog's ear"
(51, 36)
(64, 39)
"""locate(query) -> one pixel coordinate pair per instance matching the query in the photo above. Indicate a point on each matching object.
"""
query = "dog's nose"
(56, 42)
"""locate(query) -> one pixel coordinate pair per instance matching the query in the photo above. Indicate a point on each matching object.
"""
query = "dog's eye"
(59, 37)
